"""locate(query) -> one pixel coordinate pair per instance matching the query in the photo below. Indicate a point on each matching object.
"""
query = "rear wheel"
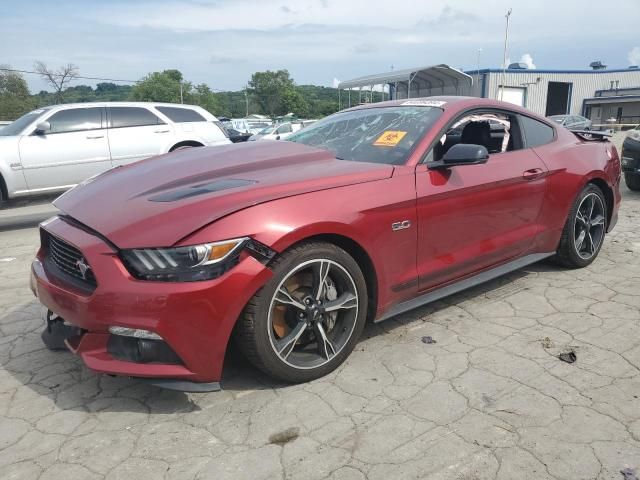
(185, 146)
(585, 229)
(633, 181)
(307, 319)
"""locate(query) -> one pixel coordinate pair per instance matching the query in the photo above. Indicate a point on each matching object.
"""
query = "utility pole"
(478, 71)
(181, 100)
(504, 59)
(246, 101)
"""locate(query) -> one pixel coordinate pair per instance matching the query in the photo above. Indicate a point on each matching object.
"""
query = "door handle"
(533, 173)
(161, 131)
(94, 137)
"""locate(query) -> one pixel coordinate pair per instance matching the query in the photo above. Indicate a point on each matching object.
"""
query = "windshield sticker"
(390, 138)
(424, 103)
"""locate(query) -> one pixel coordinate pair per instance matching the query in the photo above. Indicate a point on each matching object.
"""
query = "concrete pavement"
(20, 215)
(489, 400)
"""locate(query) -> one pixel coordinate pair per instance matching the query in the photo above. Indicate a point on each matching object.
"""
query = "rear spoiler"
(591, 136)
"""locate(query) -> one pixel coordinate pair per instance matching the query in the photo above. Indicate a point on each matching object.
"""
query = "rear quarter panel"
(573, 163)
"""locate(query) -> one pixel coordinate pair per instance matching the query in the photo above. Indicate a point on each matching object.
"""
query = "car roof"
(455, 103)
(121, 104)
(445, 103)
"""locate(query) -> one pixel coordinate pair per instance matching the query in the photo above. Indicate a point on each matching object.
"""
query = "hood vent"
(201, 189)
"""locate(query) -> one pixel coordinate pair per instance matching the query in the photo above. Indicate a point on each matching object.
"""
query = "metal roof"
(542, 70)
(438, 75)
(612, 99)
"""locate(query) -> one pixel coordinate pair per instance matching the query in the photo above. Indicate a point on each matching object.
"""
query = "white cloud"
(222, 42)
(634, 56)
(336, 82)
(527, 59)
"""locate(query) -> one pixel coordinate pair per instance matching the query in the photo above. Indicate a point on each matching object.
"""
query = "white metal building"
(601, 95)
(556, 92)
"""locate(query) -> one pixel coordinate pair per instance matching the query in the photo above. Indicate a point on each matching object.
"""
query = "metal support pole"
(181, 100)
(504, 59)
(349, 98)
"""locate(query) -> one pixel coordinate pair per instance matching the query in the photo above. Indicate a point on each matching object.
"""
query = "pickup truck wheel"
(307, 319)
(584, 231)
(633, 181)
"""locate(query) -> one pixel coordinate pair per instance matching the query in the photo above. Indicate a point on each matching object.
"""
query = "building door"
(558, 98)
(515, 95)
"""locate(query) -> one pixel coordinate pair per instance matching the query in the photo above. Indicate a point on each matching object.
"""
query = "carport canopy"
(415, 82)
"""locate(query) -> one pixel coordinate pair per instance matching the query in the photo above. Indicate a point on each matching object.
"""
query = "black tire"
(254, 331)
(567, 253)
(632, 180)
(175, 148)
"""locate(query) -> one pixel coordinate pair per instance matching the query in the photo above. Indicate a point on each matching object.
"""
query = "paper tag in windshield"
(390, 138)
(424, 103)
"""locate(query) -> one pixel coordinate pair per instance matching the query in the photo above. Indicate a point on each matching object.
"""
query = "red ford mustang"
(290, 247)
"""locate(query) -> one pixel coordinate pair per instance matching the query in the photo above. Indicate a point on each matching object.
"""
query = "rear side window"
(76, 120)
(536, 133)
(181, 115)
(286, 128)
(132, 117)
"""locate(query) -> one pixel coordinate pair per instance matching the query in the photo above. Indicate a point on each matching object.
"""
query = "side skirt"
(464, 284)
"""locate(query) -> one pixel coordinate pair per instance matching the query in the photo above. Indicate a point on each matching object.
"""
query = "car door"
(473, 217)
(74, 148)
(283, 131)
(572, 122)
(136, 133)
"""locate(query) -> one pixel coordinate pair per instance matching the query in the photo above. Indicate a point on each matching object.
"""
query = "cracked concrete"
(489, 400)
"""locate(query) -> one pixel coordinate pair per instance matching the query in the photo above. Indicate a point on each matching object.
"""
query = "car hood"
(159, 201)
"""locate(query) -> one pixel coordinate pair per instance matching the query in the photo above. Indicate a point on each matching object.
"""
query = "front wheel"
(633, 181)
(307, 319)
(584, 230)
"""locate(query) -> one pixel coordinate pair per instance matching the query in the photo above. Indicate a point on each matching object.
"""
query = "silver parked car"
(572, 122)
(52, 149)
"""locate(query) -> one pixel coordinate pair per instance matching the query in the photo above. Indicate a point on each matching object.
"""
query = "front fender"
(362, 213)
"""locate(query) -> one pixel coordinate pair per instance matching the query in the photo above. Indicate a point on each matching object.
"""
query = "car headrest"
(478, 133)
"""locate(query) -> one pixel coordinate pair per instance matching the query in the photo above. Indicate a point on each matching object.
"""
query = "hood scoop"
(195, 190)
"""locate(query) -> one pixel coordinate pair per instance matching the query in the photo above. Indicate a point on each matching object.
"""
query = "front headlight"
(183, 264)
(634, 135)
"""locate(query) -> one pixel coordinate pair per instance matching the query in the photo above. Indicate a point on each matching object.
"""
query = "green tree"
(160, 87)
(203, 96)
(268, 88)
(15, 98)
(294, 102)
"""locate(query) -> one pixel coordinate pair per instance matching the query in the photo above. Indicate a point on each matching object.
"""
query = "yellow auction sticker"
(390, 138)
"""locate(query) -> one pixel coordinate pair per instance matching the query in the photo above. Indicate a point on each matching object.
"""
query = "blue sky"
(222, 42)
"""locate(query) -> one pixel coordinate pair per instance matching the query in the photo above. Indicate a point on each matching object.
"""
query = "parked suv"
(631, 159)
(52, 149)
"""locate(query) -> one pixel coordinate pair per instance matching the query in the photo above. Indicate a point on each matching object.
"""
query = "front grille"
(68, 260)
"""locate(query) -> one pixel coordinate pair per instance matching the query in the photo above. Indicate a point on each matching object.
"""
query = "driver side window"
(496, 131)
(286, 128)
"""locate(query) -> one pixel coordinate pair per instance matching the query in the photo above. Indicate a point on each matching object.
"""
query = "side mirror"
(42, 128)
(463, 154)
(278, 137)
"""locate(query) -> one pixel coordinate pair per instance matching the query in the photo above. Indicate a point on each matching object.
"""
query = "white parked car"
(52, 149)
(276, 132)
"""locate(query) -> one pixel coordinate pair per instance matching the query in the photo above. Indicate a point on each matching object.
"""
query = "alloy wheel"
(313, 313)
(589, 226)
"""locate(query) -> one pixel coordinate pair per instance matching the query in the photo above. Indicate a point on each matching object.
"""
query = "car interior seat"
(477, 133)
